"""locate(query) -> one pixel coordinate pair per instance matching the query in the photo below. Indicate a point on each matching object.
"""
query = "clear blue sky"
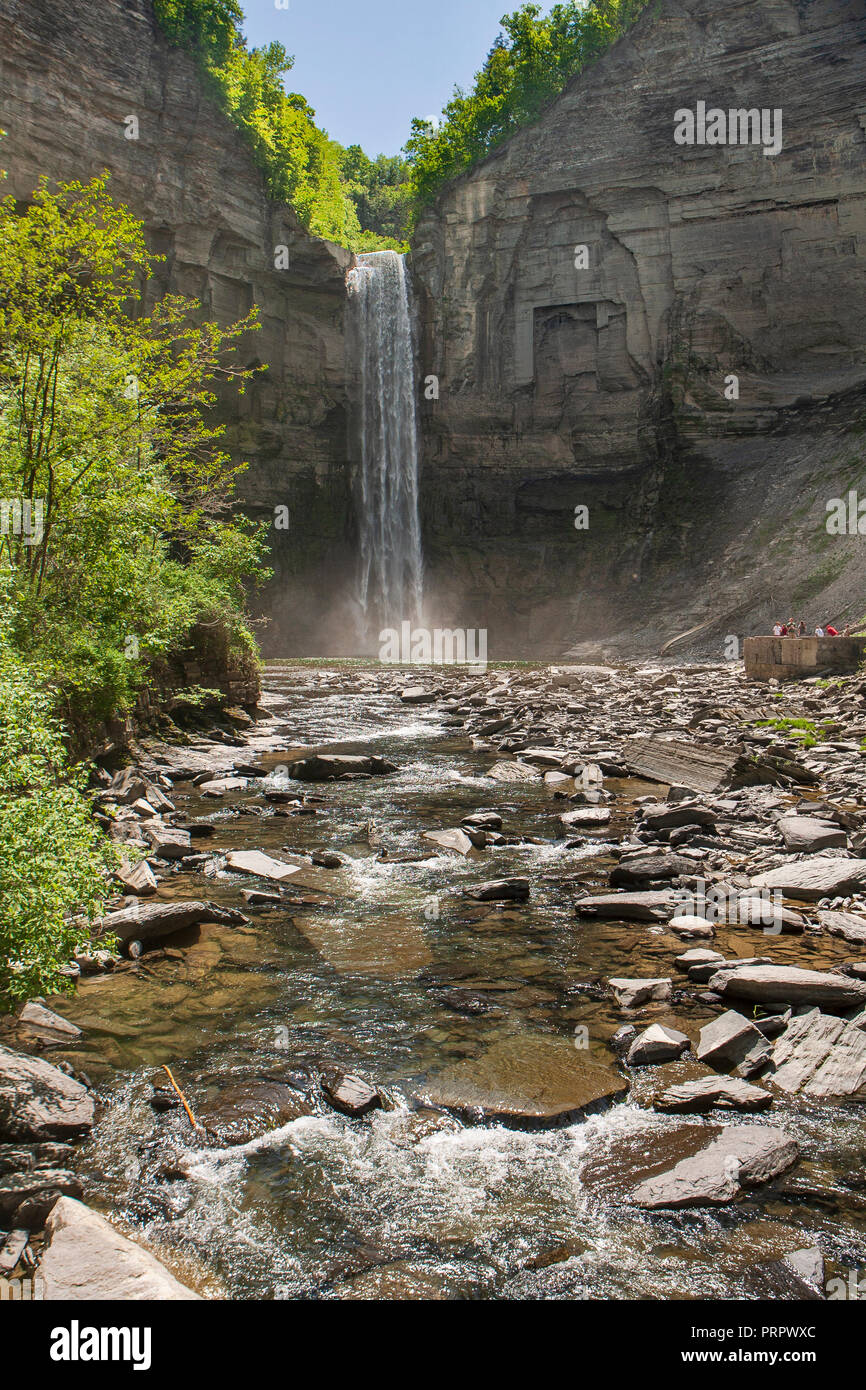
(368, 68)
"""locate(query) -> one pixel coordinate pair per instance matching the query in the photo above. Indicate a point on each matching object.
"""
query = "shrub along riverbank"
(117, 535)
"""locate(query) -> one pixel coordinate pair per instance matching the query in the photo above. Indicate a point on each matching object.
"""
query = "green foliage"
(106, 435)
(524, 70)
(53, 859)
(302, 165)
(380, 189)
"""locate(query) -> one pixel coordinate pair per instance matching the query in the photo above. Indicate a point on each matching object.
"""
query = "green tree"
(527, 66)
(109, 449)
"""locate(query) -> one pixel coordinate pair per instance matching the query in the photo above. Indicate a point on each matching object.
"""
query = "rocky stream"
(547, 982)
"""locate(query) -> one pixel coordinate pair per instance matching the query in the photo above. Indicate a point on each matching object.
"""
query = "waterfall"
(391, 567)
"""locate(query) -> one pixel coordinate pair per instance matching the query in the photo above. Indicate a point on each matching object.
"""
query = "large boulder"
(820, 1055)
(525, 1081)
(812, 879)
(708, 1093)
(787, 984)
(88, 1260)
(731, 1040)
(806, 834)
(38, 1101)
(652, 906)
(326, 767)
(153, 921)
(738, 1158)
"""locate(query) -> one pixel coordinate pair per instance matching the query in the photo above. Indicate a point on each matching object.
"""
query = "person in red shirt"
(831, 631)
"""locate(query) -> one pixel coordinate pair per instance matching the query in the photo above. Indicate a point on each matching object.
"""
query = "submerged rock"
(250, 1109)
(525, 1081)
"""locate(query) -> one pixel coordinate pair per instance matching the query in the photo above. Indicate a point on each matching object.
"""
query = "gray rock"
(786, 984)
(740, 1157)
(457, 840)
(848, 925)
(167, 842)
(711, 1092)
(153, 921)
(631, 994)
(820, 1055)
(649, 865)
(350, 1094)
(691, 928)
(260, 865)
(733, 1041)
(670, 816)
(46, 1024)
(812, 879)
(39, 1102)
(525, 1081)
(87, 1260)
(657, 1044)
(805, 834)
(652, 906)
(500, 890)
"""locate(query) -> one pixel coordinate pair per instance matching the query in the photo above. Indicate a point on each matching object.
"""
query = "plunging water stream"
(390, 561)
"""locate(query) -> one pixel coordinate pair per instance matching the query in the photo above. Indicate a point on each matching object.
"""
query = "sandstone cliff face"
(605, 387)
(70, 74)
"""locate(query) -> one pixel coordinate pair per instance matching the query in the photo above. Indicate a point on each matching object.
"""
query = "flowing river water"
(372, 974)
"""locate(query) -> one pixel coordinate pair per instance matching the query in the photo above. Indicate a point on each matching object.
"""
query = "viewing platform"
(797, 658)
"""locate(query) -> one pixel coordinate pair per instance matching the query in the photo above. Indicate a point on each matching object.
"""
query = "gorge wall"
(560, 387)
(69, 76)
(605, 387)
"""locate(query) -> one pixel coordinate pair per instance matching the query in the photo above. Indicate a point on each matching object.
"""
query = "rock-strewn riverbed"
(466, 1003)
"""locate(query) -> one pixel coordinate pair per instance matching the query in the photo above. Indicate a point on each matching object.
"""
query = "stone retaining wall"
(795, 658)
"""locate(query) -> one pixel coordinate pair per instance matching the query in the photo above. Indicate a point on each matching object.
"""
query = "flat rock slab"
(710, 1093)
(252, 861)
(325, 767)
(525, 1081)
(819, 1055)
(848, 925)
(652, 906)
(680, 764)
(586, 816)
(641, 867)
(417, 695)
(500, 890)
(786, 984)
(87, 1260)
(39, 1102)
(167, 842)
(670, 816)
(457, 840)
(247, 1110)
(46, 1024)
(631, 994)
(513, 772)
(732, 1040)
(812, 879)
(740, 1157)
(691, 928)
(805, 834)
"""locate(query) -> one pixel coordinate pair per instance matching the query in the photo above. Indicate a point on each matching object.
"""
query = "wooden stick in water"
(192, 1118)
